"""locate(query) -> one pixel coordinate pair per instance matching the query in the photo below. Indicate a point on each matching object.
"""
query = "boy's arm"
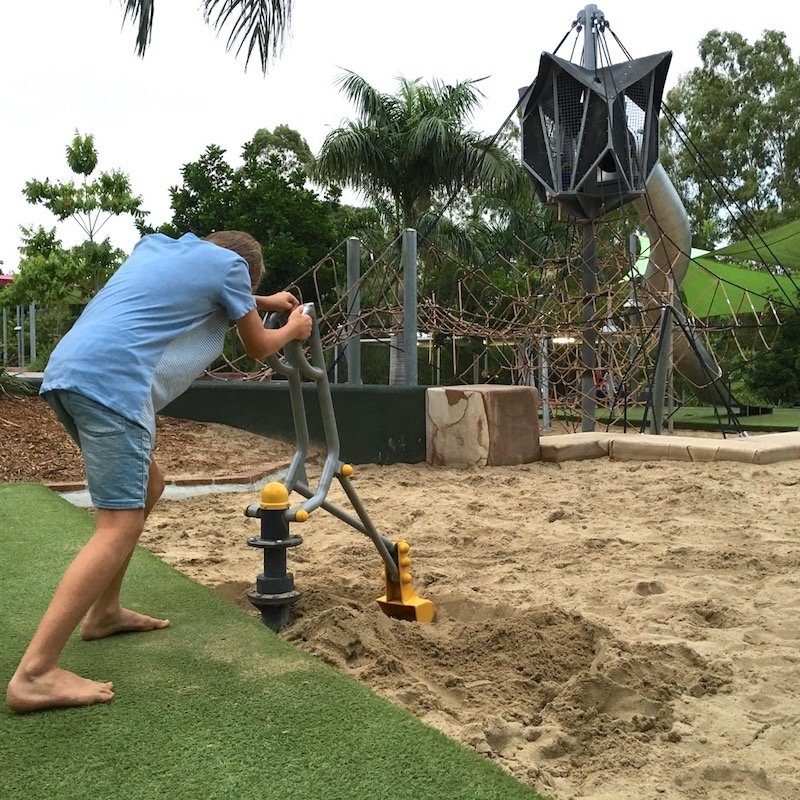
(281, 301)
(260, 342)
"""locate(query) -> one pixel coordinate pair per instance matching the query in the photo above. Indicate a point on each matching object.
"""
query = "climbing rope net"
(512, 323)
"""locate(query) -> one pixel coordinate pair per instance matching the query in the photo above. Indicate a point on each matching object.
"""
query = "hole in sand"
(466, 609)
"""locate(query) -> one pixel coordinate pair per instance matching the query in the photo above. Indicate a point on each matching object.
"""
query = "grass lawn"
(699, 418)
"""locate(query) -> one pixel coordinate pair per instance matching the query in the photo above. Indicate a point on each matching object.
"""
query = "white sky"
(68, 64)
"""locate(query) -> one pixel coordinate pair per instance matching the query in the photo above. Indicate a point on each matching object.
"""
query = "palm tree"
(257, 24)
(410, 152)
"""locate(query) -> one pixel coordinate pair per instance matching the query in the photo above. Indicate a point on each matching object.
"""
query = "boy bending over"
(157, 323)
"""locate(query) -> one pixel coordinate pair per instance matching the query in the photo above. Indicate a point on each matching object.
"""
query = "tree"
(254, 24)
(284, 149)
(267, 196)
(774, 374)
(409, 153)
(410, 147)
(84, 269)
(52, 275)
(59, 277)
(733, 149)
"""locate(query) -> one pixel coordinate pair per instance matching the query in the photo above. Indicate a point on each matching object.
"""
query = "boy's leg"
(39, 682)
(107, 616)
(116, 456)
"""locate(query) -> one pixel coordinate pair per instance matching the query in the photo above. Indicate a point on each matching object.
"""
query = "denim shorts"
(116, 452)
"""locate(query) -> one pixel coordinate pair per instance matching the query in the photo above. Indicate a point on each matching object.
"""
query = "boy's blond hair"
(246, 246)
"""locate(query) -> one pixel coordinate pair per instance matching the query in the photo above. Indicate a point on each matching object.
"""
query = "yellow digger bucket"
(401, 600)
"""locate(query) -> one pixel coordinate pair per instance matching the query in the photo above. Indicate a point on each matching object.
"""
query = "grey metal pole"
(20, 330)
(337, 348)
(670, 364)
(588, 17)
(5, 336)
(352, 347)
(593, 22)
(409, 260)
(589, 334)
(662, 378)
(32, 330)
(544, 382)
(660, 372)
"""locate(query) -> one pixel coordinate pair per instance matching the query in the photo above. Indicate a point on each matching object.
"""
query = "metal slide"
(667, 225)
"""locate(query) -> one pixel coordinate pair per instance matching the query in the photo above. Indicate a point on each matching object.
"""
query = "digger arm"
(400, 600)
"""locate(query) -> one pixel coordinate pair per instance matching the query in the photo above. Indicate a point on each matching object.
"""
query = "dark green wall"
(377, 424)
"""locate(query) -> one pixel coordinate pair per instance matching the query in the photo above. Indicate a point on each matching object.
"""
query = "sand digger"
(274, 593)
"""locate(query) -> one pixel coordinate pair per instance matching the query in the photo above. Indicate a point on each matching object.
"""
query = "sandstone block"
(482, 425)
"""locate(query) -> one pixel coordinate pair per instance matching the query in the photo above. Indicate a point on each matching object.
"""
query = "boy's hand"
(281, 301)
(299, 324)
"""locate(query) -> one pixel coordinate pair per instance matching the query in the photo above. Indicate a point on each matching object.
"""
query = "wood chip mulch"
(35, 447)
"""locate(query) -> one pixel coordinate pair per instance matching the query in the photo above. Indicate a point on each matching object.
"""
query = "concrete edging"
(766, 449)
(244, 478)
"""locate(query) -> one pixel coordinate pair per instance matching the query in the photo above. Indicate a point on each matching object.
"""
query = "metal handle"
(296, 365)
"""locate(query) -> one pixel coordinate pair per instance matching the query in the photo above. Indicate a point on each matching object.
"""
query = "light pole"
(19, 329)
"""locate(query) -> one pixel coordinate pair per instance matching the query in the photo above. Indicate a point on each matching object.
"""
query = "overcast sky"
(68, 65)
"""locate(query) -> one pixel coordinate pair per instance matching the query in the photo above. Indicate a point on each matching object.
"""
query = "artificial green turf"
(217, 706)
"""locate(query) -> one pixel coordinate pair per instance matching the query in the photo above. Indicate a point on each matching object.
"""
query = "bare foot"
(123, 621)
(56, 688)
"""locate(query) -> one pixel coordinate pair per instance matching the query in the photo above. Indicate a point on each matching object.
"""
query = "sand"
(604, 630)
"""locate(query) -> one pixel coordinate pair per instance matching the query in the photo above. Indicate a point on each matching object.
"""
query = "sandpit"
(604, 630)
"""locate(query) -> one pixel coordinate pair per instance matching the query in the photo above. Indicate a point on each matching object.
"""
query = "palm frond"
(372, 106)
(141, 16)
(257, 24)
(356, 156)
(12, 386)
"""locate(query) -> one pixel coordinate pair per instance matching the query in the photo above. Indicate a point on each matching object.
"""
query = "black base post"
(274, 593)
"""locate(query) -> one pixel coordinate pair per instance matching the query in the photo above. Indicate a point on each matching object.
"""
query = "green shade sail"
(763, 272)
(715, 289)
(779, 247)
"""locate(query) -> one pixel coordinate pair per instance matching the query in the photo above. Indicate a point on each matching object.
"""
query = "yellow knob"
(406, 577)
(347, 470)
(404, 561)
(301, 515)
(274, 496)
(403, 547)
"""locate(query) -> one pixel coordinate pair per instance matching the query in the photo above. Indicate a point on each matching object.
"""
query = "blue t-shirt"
(166, 288)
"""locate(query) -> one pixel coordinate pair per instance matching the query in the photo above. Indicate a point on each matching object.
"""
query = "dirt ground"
(35, 447)
(604, 629)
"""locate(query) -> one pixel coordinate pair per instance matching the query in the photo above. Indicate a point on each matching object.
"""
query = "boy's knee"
(156, 488)
(155, 484)
(124, 526)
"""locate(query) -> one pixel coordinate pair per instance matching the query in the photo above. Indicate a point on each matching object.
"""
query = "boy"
(138, 344)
